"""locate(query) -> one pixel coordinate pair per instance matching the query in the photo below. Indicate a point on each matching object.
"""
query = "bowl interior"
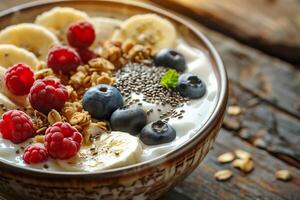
(122, 10)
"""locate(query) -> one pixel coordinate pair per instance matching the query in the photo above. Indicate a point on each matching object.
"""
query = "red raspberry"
(86, 55)
(47, 94)
(63, 59)
(19, 79)
(62, 140)
(35, 154)
(16, 126)
(81, 34)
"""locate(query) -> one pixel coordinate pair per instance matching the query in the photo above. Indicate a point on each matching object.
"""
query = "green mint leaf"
(169, 79)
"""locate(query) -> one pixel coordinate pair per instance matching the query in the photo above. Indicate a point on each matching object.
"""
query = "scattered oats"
(80, 118)
(283, 175)
(231, 123)
(76, 79)
(242, 154)
(253, 102)
(233, 110)
(70, 108)
(53, 117)
(245, 165)
(226, 157)
(101, 64)
(223, 175)
(41, 131)
(44, 73)
(39, 139)
(139, 53)
(259, 142)
(112, 51)
(245, 133)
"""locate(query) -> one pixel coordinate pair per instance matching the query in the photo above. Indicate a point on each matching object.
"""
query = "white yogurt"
(196, 114)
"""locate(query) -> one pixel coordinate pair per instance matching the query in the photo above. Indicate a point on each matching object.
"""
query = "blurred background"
(259, 42)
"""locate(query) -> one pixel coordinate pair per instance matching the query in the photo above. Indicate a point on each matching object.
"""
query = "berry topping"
(81, 34)
(86, 55)
(158, 132)
(16, 126)
(102, 100)
(62, 141)
(171, 59)
(35, 154)
(48, 94)
(19, 79)
(63, 59)
(191, 86)
(128, 119)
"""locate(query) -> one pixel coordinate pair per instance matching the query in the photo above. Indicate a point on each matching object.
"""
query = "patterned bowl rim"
(202, 134)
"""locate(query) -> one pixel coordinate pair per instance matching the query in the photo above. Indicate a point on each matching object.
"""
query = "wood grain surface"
(259, 184)
(267, 89)
(270, 25)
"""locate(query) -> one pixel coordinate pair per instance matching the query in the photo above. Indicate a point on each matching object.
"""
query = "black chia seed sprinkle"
(139, 78)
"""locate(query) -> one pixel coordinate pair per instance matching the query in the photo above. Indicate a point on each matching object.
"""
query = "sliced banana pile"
(58, 19)
(147, 29)
(32, 37)
(111, 150)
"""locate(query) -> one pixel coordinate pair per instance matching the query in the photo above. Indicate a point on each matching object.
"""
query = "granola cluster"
(113, 56)
(97, 71)
(122, 53)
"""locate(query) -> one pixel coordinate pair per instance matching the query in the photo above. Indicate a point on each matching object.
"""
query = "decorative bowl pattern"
(147, 180)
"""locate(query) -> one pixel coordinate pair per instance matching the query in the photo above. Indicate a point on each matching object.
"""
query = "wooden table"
(258, 40)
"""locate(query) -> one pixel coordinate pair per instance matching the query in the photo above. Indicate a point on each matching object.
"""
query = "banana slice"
(6, 104)
(19, 100)
(32, 37)
(58, 19)
(111, 150)
(11, 54)
(148, 29)
(104, 28)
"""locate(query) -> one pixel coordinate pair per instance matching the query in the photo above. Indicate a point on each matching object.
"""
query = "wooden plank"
(264, 126)
(270, 25)
(4, 4)
(271, 79)
(259, 184)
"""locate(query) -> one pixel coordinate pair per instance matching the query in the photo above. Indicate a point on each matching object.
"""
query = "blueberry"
(171, 59)
(102, 100)
(128, 119)
(191, 86)
(158, 132)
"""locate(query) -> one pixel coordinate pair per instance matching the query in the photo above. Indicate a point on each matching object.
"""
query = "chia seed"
(142, 79)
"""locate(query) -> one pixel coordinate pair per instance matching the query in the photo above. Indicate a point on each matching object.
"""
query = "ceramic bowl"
(147, 180)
